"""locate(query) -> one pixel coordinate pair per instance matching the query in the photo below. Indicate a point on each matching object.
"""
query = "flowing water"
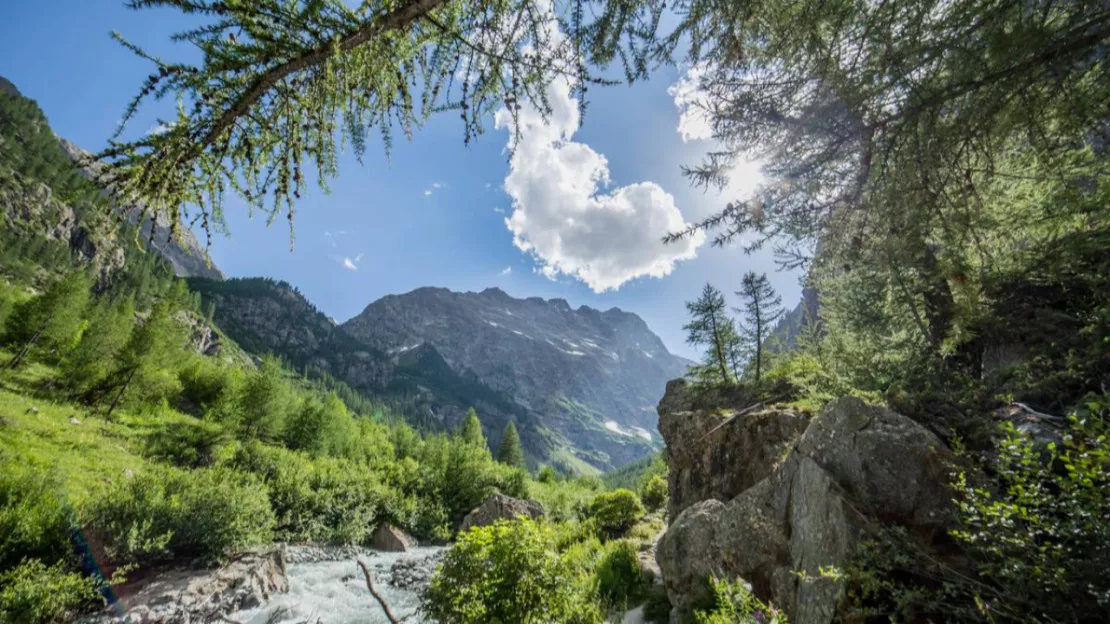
(334, 592)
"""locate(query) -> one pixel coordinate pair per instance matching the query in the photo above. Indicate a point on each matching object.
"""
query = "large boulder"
(391, 539)
(501, 507)
(181, 596)
(855, 466)
(721, 445)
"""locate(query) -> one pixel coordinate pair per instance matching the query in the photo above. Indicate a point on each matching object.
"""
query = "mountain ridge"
(580, 384)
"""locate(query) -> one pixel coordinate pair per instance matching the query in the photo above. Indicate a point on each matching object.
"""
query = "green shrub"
(506, 572)
(33, 593)
(654, 494)
(615, 512)
(621, 581)
(168, 513)
(1034, 535)
(187, 444)
(319, 427)
(547, 474)
(324, 500)
(733, 603)
(35, 520)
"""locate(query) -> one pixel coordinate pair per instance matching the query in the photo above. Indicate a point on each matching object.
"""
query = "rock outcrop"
(182, 596)
(793, 498)
(501, 507)
(389, 538)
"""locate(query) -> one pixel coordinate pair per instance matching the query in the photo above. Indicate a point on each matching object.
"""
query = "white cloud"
(507, 270)
(351, 265)
(694, 120)
(499, 210)
(565, 219)
(435, 186)
(695, 124)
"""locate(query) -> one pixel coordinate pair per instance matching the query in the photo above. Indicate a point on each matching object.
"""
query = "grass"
(88, 451)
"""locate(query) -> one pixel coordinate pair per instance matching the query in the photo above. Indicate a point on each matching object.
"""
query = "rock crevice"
(776, 498)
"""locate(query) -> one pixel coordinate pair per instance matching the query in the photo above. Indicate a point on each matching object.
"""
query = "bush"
(621, 581)
(506, 572)
(1034, 535)
(168, 513)
(324, 500)
(654, 494)
(615, 512)
(733, 603)
(33, 593)
(34, 518)
(657, 608)
(548, 475)
(187, 444)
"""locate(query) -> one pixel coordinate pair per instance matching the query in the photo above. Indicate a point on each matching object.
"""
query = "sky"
(576, 212)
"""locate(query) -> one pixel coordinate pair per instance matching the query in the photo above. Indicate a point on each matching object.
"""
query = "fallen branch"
(374, 593)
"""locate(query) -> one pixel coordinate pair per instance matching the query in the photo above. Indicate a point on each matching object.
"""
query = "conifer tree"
(711, 327)
(264, 404)
(319, 426)
(471, 430)
(510, 452)
(107, 333)
(282, 84)
(153, 347)
(51, 321)
(762, 308)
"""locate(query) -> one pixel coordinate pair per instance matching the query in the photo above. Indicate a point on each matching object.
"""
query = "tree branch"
(375, 594)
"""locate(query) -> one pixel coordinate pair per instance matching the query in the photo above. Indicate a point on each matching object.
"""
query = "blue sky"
(435, 212)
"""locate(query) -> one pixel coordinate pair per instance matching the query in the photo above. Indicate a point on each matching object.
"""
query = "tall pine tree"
(470, 431)
(762, 309)
(51, 322)
(510, 452)
(712, 328)
(108, 331)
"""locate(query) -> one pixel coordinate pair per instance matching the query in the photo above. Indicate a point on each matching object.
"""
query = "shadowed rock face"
(787, 496)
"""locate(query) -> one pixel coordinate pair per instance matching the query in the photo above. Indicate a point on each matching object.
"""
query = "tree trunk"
(115, 401)
(719, 347)
(15, 361)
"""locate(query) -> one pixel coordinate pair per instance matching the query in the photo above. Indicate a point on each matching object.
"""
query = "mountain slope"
(580, 384)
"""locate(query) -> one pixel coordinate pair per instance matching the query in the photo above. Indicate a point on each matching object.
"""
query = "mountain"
(581, 384)
(40, 196)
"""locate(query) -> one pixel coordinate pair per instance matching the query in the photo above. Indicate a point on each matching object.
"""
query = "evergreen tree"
(277, 75)
(711, 327)
(471, 430)
(510, 452)
(319, 427)
(107, 333)
(762, 309)
(264, 404)
(52, 321)
(153, 347)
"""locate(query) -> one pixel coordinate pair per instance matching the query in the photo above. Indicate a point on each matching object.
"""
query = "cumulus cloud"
(565, 216)
(694, 120)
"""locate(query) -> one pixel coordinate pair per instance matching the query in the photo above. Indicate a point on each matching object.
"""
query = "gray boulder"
(181, 596)
(500, 507)
(854, 466)
(389, 538)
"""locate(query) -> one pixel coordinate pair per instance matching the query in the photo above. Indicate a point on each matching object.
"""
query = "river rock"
(501, 507)
(855, 466)
(389, 538)
(182, 596)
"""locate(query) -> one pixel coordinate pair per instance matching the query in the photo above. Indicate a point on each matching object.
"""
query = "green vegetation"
(732, 602)
(616, 512)
(32, 593)
(654, 493)
(620, 580)
(509, 451)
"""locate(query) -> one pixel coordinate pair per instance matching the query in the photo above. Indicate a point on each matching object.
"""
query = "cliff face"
(580, 384)
(39, 199)
(766, 494)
